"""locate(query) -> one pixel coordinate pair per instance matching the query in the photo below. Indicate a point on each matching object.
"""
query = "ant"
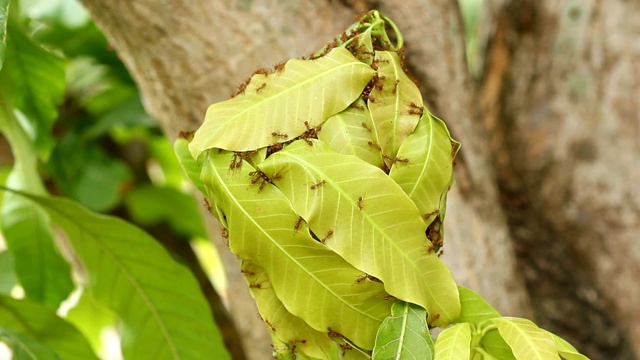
(261, 87)
(415, 109)
(318, 184)
(296, 227)
(255, 286)
(360, 204)
(328, 235)
(367, 127)
(311, 133)
(258, 176)
(280, 135)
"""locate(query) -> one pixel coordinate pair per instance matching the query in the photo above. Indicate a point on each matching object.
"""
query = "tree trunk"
(550, 135)
(565, 130)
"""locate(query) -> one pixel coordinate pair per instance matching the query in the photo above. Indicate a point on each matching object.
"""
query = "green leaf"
(25, 347)
(308, 91)
(7, 273)
(366, 218)
(428, 171)
(454, 343)
(4, 12)
(151, 205)
(290, 330)
(493, 343)
(188, 163)
(474, 309)
(404, 334)
(565, 349)
(313, 282)
(44, 275)
(351, 133)
(527, 341)
(43, 325)
(90, 319)
(395, 103)
(163, 312)
(32, 80)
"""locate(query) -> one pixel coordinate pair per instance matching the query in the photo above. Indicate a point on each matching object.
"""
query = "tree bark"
(550, 135)
(560, 98)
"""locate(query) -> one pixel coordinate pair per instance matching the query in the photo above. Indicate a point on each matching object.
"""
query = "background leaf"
(527, 341)
(264, 228)
(43, 325)
(43, 273)
(25, 347)
(454, 343)
(474, 308)
(370, 221)
(152, 205)
(404, 334)
(32, 80)
(164, 314)
(289, 98)
(7, 273)
(4, 12)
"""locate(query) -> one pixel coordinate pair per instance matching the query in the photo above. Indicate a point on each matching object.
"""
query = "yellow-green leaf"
(395, 103)
(274, 108)
(288, 328)
(364, 216)
(454, 343)
(425, 166)
(474, 308)
(351, 132)
(527, 341)
(566, 349)
(313, 282)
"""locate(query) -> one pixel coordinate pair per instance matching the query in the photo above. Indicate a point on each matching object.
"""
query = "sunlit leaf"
(404, 334)
(289, 329)
(44, 275)
(163, 311)
(90, 319)
(454, 343)
(565, 349)
(32, 80)
(313, 282)
(43, 325)
(7, 273)
(24, 347)
(474, 309)
(274, 108)
(395, 103)
(351, 132)
(527, 341)
(424, 169)
(364, 216)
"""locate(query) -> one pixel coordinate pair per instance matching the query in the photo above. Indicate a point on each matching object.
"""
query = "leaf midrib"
(275, 243)
(368, 219)
(137, 287)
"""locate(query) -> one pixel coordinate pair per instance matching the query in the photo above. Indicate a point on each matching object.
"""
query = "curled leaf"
(283, 105)
(359, 212)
